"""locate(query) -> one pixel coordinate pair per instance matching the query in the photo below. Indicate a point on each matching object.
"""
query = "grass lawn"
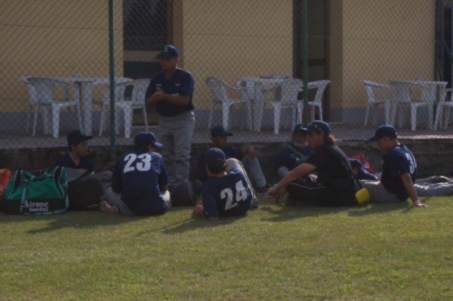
(377, 252)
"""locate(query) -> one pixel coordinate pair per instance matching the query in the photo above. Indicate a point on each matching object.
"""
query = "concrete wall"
(44, 38)
(378, 40)
(231, 39)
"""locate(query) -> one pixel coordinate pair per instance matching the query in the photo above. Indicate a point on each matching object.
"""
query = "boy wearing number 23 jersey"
(139, 181)
(223, 193)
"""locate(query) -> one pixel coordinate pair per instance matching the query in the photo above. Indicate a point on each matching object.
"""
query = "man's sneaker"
(262, 189)
(106, 207)
(254, 203)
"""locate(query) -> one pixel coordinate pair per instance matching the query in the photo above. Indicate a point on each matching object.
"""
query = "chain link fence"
(368, 63)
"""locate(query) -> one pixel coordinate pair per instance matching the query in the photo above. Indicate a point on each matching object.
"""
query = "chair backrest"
(217, 89)
(45, 88)
(370, 86)
(139, 89)
(321, 85)
(290, 89)
(31, 90)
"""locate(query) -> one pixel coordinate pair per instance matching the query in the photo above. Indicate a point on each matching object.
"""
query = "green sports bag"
(31, 194)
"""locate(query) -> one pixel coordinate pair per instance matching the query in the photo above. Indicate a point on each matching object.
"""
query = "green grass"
(378, 252)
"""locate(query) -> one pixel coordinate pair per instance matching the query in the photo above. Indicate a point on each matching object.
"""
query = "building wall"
(381, 41)
(44, 38)
(236, 38)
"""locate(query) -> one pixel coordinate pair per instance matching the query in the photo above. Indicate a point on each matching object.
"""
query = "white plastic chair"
(321, 85)
(290, 89)
(44, 91)
(440, 106)
(33, 99)
(403, 99)
(220, 97)
(137, 101)
(374, 102)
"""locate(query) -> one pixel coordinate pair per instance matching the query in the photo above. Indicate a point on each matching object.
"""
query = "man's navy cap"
(144, 139)
(77, 136)
(214, 157)
(384, 131)
(220, 131)
(299, 128)
(363, 174)
(318, 126)
(169, 51)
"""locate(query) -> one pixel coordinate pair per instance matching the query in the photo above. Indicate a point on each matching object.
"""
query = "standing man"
(170, 92)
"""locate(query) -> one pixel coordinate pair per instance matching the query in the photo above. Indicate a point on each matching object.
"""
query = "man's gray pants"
(175, 133)
(253, 168)
(429, 187)
(233, 163)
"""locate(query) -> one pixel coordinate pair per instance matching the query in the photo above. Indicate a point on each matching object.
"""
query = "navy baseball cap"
(384, 131)
(299, 128)
(77, 136)
(169, 51)
(214, 157)
(318, 126)
(363, 174)
(144, 139)
(220, 131)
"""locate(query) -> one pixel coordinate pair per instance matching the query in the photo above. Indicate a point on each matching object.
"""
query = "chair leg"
(117, 121)
(225, 115)
(102, 123)
(300, 111)
(447, 118)
(400, 118)
(55, 120)
(320, 113)
(210, 116)
(366, 114)
(259, 108)
(28, 119)
(46, 120)
(413, 117)
(277, 112)
(430, 117)
(145, 117)
(35, 120)
(127, 121)
(79, 115)
(387, 112)
(249, 115)
(438, 117)
(293, 117)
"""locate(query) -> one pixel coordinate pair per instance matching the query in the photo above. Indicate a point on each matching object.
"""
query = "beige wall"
(235, 38)
(381, 40)
(45, 38)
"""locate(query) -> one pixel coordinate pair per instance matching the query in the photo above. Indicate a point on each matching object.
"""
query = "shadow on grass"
(288, 213)
(78, 220)
(193, 223)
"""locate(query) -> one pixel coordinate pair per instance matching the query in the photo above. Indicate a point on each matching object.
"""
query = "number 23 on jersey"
(143, 164)
(233, 200)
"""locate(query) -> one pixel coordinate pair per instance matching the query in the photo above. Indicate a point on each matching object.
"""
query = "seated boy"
(78, 149)
(359, 172)
(399, 170)
(294, 154)
(224, 193)
(248, 158)
(139, 181)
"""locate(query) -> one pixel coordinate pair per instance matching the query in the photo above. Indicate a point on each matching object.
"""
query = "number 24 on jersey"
(231, 202)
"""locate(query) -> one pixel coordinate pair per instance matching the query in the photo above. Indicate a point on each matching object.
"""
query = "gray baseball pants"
(378, 193)
(234, 163)
(253, 168)
(429, 187)
(175, 133)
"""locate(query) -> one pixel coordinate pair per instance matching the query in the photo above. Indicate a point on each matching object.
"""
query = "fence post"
(305, 58)
(112, 83)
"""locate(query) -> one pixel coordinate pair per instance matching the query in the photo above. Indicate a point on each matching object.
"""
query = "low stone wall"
(433, 156)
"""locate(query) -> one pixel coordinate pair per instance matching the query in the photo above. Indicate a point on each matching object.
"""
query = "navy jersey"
(85, 163)
(139, 176)
(181, 83)
(226, 196)
(290, 159)
(229, 151)
(397, 161)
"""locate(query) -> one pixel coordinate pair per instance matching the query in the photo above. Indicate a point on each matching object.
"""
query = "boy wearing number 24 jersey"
(224, 193)
(139, 181)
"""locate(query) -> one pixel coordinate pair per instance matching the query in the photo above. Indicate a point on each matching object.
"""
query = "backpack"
(366, 163)
(183, 194)
(5, 176)
(31, 194)
(85, 189)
